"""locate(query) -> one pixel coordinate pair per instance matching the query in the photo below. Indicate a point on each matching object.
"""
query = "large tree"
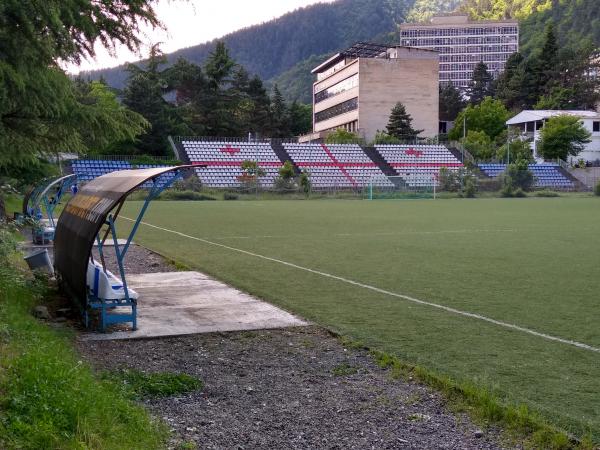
(451, 102)
(280, 114)
(481, 84)
(400, 123)
(40, 112)
(563, 136)
(489, 116)
(145, 94)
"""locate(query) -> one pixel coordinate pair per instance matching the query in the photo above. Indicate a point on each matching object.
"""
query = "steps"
(579, 185)
(376, 157)
(283, 155)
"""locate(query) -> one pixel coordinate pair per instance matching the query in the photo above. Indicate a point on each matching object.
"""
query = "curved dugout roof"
(83, 217)
(36, 194)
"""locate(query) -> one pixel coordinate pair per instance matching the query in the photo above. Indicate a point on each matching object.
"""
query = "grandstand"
(223, 161)
(330, 166)
(336, 165)
(88, 169)
(418, 165)
(547, 175)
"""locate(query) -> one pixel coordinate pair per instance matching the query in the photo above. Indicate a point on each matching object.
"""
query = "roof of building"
(530, 115)
(361, 50)
(456, 20)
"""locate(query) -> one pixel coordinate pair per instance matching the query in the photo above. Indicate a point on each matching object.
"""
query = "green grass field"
(529, 262)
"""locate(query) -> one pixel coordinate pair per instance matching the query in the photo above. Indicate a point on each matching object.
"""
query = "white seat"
(105, 285)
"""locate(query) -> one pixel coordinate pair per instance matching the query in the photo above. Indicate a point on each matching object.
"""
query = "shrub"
(341, 136)
(230, 196)
(448, 180)
(520, 193)
(305, 182)
(192, 183)
(185, 195)
(597, 188)
(382, 138)
(470, 187)
(507, 190)
(546, 193)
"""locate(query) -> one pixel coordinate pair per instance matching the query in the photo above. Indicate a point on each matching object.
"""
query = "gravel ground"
(292, 388)
(137, 260)
(295, 388)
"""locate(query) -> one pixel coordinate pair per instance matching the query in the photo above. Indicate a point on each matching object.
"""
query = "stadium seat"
(547, 175)
(418, 165)
(337, 165)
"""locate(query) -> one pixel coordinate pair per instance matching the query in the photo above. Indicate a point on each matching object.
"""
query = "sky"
(192, 22)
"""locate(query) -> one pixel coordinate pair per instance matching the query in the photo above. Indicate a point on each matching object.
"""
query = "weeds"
(343, 370)
(48, 398)
(139, 385)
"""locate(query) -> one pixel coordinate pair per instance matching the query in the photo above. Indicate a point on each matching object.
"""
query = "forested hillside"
(284, 50)
(271, 48)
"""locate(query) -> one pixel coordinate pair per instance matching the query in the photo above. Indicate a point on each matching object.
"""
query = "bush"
(470, 187)
(230, 196)
(449, 181)
(597, 188)
(518, 176)
(192, 183)
(546, 193)
(341, 136)
(507, 189)
(382, 138)
(185, 195)
(520, 193)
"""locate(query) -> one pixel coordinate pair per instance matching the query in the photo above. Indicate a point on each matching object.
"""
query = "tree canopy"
(489, 116)
(41, 110)
(563, 136)
(400, 123)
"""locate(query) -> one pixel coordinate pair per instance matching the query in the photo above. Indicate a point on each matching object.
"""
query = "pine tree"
(300, 118)
(481, 85)
(400, 123)
(260, 119)
(451, 103)
(279, 114)
(39, 108)
(220, 98)
(143, 94)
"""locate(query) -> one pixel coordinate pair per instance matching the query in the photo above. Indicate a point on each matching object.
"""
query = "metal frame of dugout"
(48, 195)
(89, 218)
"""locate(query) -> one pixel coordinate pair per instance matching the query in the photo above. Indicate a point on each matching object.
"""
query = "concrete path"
(179, 303)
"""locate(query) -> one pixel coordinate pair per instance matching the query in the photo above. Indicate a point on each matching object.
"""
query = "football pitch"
(500, 292)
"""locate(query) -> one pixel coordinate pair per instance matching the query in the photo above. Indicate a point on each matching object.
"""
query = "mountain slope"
(272, 48)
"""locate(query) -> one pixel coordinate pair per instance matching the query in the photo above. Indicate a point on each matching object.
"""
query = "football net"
(408, 185)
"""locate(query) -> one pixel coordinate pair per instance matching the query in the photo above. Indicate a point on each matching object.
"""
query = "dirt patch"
(137, 260)
(292, 388)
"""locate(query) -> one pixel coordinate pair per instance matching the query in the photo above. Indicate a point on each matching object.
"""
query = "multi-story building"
(463, 43)
(357, 89)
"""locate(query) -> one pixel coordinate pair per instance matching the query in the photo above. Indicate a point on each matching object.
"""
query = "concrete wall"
(412, 81)
(588, 176)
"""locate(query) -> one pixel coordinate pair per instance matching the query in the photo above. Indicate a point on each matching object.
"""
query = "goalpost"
(409, 185)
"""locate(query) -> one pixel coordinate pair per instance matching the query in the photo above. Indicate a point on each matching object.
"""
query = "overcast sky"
(195, 21)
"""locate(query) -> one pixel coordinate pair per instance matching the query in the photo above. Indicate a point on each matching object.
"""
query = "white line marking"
(322, 236)
(385, 292)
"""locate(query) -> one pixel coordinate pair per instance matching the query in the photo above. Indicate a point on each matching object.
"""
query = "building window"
(341, 108)
(596, 127)
(338, 88)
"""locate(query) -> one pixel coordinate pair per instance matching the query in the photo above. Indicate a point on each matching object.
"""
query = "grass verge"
(517, 421)
(48, 398)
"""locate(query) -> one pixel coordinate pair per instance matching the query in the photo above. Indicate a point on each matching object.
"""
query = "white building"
(463, 43)
(530, 122)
